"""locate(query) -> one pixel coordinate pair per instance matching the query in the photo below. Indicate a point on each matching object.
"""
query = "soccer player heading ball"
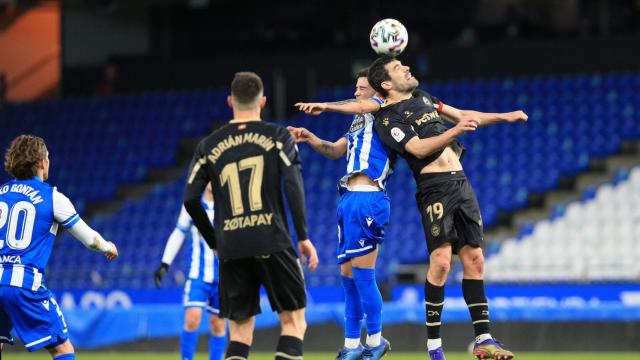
(412, 124)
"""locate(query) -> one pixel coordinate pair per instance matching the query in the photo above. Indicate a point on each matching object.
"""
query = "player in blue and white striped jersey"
(30, 213)
(201, 288)
(363, 213)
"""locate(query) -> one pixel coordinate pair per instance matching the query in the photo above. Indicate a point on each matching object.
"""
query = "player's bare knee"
(64, 348)
(218, 327)
(439, 265)
(192, 321)
(293, 323)
(473, 263)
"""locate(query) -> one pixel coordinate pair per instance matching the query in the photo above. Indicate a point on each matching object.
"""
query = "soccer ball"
(389, 37)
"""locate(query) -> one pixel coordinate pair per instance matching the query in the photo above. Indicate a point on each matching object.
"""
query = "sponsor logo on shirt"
(357, 124)
(397, 134)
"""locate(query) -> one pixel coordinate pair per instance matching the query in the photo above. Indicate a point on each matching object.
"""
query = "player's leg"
(63, 351)
(436, 206)
(218, 339)
(189, 334)
(353, 313)
(439, 265)
(367, 221)
(240, 338)
(37, 319)
(195, 299)
(292, 328)
(239, 288)
(469, 227)
(282, 278)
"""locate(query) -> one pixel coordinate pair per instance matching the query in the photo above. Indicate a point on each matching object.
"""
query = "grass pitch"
(324, 356)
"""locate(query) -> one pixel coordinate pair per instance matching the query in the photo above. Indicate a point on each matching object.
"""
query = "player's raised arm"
(328, 149)
(196, 183)
(351, 106)
(65, 214)
(174, 243)
(294, 190)
(454, 115)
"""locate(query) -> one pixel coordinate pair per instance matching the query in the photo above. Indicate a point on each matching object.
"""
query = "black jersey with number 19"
(246, 163)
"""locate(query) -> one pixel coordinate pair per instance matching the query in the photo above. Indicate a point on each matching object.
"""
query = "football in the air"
(389, 37)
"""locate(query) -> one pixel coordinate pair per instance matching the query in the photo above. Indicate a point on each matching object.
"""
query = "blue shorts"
(362, 218)
(198, 293)
(35, 316)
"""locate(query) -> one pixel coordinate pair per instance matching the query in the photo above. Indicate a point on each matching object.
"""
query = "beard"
(407, 86)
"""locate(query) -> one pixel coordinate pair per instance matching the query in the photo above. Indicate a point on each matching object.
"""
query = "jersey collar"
(234, 121)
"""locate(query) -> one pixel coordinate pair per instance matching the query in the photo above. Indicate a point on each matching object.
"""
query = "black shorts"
(281, 275)
(449, 210)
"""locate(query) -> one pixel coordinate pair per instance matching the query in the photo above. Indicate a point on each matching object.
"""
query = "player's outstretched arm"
(328, 149)
(454, 115)
(65, 214)
(93, 240)
(350, 106)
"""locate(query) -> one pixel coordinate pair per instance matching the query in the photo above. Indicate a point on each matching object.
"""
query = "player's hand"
(516, 116)
(466, 124)
(308, 254)
(300, 134)
(113, 253)
(160, 273)
(311, 108)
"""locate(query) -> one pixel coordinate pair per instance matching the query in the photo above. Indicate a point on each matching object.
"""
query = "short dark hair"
(245, 88)
(23, 156)
(379, 74)
(363, 73)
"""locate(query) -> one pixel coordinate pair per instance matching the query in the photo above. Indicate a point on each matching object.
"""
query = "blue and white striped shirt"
(366, 153)
(203, 262)
(30, 213)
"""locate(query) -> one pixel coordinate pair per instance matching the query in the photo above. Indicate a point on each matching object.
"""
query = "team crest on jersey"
(427, 101)
(385, 121)
(357, 124)
(435, 230)
(397, 134)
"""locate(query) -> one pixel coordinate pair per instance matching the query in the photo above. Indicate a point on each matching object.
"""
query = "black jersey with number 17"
(246, 163)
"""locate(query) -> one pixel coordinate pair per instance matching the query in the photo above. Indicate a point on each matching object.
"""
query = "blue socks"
(217, 345)
(188, 342)
(365, 280)
(65, 357)
(352, 309)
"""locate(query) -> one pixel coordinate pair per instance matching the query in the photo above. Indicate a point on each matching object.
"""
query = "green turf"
(328, 356)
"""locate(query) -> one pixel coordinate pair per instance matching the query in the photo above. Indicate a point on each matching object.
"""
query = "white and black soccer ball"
(389, 37)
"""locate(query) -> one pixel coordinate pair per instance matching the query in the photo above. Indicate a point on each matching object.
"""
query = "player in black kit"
(246, 161)
(414, 127)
